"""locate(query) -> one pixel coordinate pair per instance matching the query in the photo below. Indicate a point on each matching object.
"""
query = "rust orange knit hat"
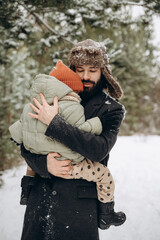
(67, 76)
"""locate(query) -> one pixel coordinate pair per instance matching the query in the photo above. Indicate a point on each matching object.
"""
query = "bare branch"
(43, 23)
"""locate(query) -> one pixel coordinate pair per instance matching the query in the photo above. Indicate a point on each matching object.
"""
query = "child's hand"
(45, 112)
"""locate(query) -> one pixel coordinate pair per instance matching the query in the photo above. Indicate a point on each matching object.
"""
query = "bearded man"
(61, 209)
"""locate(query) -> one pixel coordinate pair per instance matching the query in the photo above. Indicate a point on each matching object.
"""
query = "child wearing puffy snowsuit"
(63, 83)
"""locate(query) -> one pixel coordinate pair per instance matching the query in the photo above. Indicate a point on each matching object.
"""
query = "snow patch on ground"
(135, 166)
(11, 212)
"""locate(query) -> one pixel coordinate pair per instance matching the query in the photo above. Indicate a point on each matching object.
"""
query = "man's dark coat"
(61, 209)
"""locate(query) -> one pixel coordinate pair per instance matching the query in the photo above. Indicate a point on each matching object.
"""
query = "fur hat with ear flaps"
(89, 52)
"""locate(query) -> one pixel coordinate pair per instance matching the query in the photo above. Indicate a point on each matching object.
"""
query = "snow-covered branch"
(140, 4)
(41, 21)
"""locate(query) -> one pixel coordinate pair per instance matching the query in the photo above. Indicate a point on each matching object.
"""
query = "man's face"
(89, 74)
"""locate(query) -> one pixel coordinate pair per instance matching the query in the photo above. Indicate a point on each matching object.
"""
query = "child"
(64, 83)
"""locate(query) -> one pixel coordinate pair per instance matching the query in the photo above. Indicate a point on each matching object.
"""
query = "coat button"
(54, 193)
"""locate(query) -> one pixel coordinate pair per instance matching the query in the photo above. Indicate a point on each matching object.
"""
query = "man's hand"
(45, 112)
(58, 168)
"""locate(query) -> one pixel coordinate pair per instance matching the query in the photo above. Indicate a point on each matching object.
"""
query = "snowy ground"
(135, 165)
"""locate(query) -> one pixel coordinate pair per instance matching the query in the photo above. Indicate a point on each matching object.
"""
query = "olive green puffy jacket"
(31, 131)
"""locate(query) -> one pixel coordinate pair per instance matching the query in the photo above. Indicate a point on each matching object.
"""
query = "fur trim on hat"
(89, 52)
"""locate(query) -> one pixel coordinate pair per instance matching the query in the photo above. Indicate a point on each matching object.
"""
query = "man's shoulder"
(103, 99)
(112, 104)
(101, 104)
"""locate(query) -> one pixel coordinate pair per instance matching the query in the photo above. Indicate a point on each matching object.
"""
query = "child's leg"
(26, 184)
(30, 172)
(96, 172)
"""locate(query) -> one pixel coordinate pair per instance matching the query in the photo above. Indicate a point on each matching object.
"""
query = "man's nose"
(86, 76)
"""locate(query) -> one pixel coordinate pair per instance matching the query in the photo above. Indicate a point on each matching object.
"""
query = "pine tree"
(35, 34)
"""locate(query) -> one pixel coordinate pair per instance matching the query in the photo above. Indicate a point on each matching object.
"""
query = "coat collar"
(94, 105)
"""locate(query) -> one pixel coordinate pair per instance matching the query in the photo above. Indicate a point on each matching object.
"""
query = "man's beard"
(88, 93)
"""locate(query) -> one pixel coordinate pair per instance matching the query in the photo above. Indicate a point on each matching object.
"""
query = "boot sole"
(105, 227)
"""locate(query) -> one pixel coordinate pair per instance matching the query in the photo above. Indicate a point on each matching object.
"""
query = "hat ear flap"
(113, 86)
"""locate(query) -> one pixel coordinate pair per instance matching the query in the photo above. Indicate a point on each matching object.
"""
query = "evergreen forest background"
(34, 34)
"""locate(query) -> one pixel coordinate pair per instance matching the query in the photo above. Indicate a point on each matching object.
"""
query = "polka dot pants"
(96, 172)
